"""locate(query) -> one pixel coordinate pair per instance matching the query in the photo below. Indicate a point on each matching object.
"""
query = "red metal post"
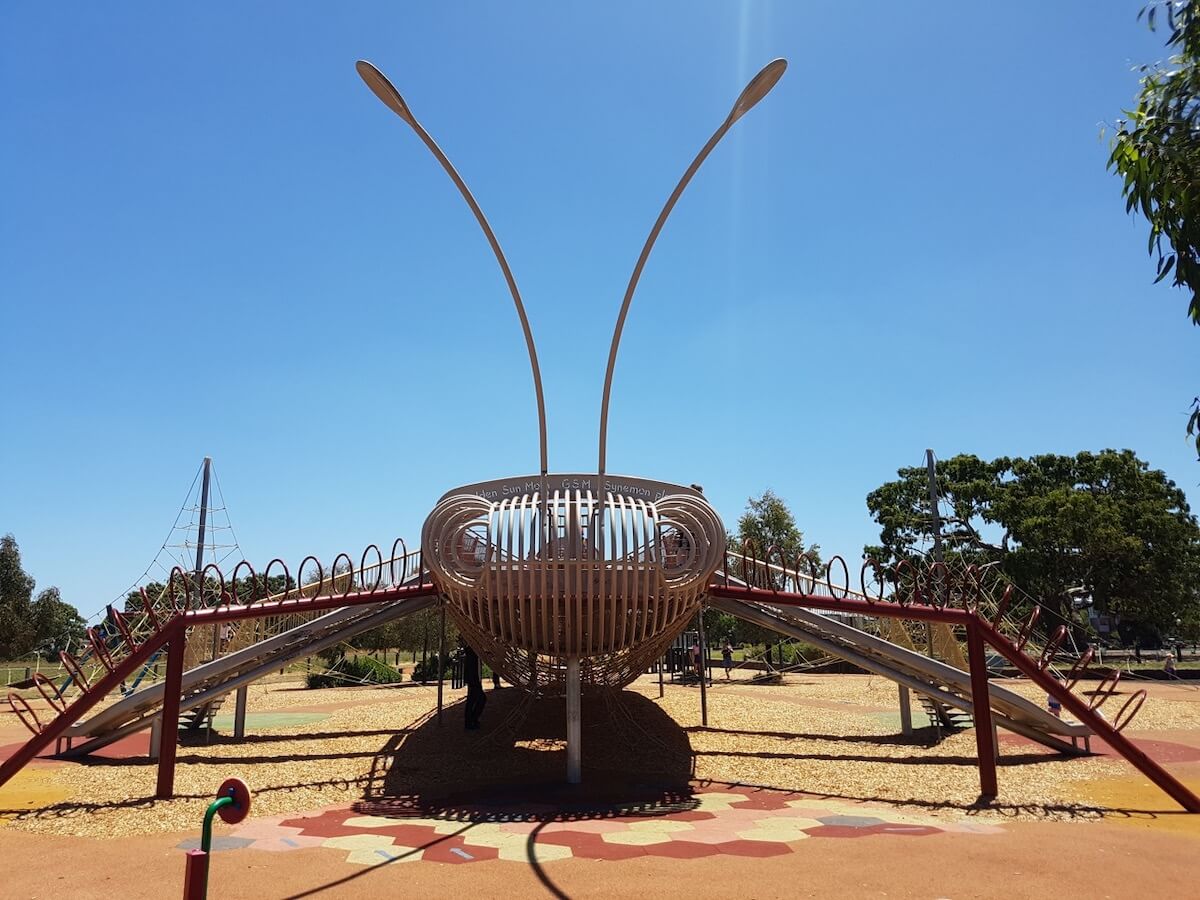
(981, 707)
(921, 612)
(169, 732)
(1091, 718)
(195, 876)
(76, 710)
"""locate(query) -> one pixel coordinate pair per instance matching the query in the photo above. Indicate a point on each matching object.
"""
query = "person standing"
(476, 698)
(727, 658)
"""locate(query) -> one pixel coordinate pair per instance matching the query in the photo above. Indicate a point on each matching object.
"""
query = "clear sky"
(214, 240)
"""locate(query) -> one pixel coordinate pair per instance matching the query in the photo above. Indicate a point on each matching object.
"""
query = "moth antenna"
(760, 85)
(386, 91)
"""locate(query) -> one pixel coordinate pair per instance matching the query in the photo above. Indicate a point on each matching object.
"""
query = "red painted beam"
(1092, 719)
(86, 701)
(234, 612)
(883, 608)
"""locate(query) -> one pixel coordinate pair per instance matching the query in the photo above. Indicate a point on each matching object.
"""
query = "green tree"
(1105, 523)
(18, 632)
(966, 487)
(46, 624)
(1156, 151)
(766, 523)
(58, 624)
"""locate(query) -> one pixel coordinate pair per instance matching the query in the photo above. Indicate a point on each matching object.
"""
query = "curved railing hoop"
(35, 725)
(55, 698)
(1002, 607)
(233, 580)
(1125, 715)
(941, 596)
(221, 592)
(1027, 630)
(172, 590)
(1100, 696)
(287, 579)
(99, 649)
(898, 577)
(75, 670)
(862, 580)
(399, 542)
(148, 607)
(320, 575)
(845, 578)
(1052, 646)
(349, 573)
(1079, 668)
(362, 568)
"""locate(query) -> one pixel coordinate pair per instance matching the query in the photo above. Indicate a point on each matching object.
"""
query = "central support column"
(574, 717)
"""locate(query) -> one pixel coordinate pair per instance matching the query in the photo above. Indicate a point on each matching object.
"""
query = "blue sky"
(214, 240)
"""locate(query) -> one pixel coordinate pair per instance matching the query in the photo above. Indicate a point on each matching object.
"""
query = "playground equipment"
(563, 579)
(232, 805)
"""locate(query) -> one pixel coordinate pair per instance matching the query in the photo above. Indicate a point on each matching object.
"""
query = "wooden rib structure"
(536, 576)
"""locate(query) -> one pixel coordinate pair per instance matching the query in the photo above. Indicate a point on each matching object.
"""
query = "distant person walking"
(727, 658)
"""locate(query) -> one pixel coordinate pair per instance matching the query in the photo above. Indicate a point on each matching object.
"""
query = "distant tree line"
(43, 624)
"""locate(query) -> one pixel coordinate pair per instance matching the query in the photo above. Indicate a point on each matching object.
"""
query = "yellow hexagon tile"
(372, 822)
(489, 834)
(716, 801)
(359, 842)
(636, 838)
(381, 855)
(541, 852)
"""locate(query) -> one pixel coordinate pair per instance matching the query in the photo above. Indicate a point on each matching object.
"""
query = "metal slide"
(915, 671)
(205, 683)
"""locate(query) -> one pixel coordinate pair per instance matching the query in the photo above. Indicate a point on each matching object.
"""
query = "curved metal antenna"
(760, 85)
(385, 91)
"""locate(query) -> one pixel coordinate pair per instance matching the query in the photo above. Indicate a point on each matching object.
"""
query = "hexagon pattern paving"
(739, 821)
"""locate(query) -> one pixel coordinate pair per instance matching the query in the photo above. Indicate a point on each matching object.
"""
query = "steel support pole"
(905, 711)
(239, 712)
(574, 717)
(985, 734)
(936, 522)
(660, 677)
(169, 731)
(703, 668)
(441, 659)
(199, 577)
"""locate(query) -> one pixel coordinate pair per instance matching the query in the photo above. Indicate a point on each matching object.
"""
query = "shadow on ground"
(636, 761)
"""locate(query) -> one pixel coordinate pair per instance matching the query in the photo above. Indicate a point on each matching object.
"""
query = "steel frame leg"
(169, 732)
(985, 735)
